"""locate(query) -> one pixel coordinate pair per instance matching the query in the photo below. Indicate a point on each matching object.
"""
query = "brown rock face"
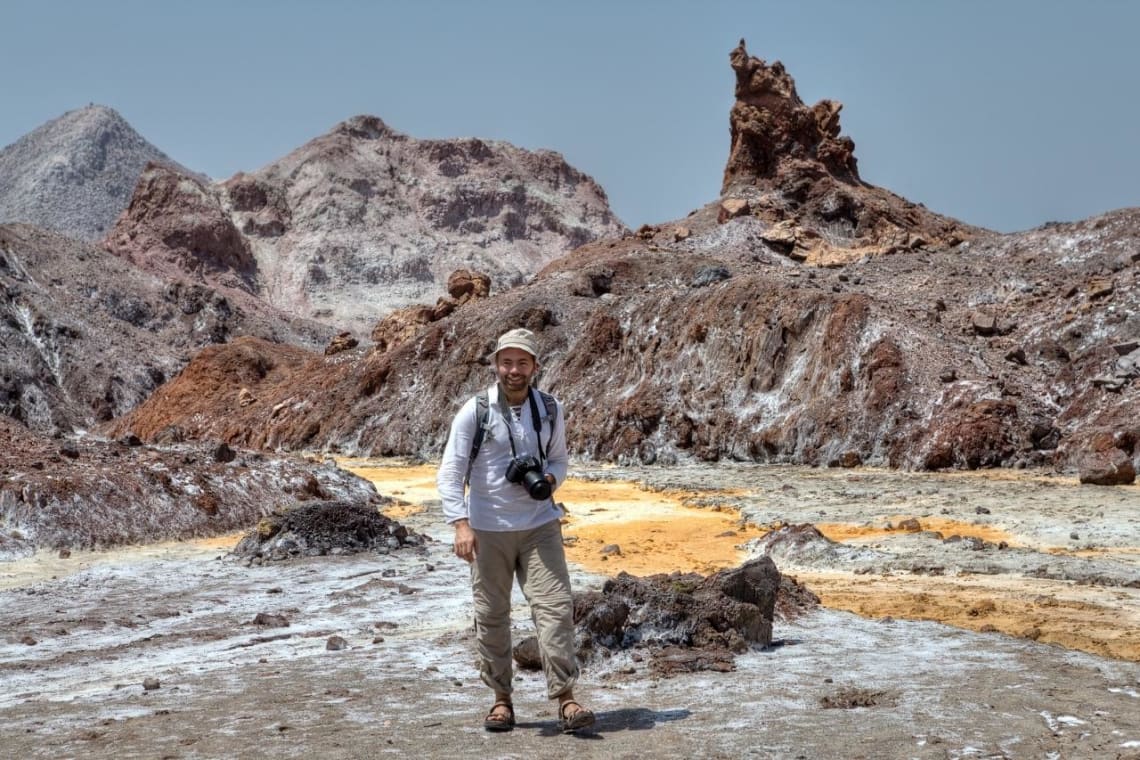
(770, 125)
(789, 165)
(175, 226)
(707, 350)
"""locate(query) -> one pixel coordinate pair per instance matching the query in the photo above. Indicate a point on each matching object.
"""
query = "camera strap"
(505, 411)
(481, 423)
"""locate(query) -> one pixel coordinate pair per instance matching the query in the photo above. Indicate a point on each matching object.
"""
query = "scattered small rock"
(224, 454)
(849, 697)
(270, 620)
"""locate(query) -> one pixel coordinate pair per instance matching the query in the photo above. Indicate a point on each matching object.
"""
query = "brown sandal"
(496, 721)
(580, 718)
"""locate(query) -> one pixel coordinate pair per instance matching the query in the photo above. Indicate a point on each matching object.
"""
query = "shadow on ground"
(625, 719)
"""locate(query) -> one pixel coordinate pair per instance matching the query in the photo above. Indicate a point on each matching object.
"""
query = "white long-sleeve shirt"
(492, 502)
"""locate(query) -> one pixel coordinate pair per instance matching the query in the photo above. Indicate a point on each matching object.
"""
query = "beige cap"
(518, 338)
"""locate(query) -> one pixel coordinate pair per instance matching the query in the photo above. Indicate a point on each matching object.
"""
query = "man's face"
(516, 368)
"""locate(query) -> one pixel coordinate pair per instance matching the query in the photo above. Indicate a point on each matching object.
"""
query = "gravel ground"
(80, 649)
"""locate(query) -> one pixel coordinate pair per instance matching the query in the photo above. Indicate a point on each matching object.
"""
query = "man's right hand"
(465, 541)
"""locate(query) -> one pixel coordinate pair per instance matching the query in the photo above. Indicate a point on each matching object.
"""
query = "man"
(507, 526)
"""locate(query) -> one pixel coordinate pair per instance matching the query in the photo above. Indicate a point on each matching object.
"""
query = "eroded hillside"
(747, 331)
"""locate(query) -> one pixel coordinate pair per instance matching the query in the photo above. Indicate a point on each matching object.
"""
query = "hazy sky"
(1005, 114)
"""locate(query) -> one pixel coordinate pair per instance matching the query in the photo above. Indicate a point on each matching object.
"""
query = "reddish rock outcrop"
(772, 128)
(175, 226)
(789, 165)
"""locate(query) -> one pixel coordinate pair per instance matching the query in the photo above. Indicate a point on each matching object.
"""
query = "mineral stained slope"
(803, 317)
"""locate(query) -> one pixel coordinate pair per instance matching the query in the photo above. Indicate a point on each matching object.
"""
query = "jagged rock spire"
(770, 125)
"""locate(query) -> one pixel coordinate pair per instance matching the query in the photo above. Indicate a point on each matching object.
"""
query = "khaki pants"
(537, 558)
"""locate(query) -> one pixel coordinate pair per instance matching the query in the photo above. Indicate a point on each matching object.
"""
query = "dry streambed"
(1028, 555)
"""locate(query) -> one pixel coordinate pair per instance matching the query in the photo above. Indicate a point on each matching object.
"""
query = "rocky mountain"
(76, 173)
(344, 228)
(805, 316)
(85, 336)
(363, 220)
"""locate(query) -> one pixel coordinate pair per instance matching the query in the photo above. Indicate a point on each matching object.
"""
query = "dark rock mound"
(326, 527)
(687, 622)
(802, 544)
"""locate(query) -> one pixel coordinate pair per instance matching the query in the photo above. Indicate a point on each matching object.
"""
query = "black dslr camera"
(527, 471)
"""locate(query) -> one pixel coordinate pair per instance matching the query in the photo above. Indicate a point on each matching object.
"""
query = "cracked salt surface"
(183, 616)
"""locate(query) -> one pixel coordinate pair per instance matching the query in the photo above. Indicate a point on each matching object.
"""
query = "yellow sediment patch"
(1103, 621)
(654, 531)
(412, 486)
(845, 532)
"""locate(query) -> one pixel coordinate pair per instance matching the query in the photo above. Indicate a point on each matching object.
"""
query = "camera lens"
(536, 485)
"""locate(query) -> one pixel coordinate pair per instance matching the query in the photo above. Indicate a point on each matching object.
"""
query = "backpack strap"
(551, 414)
(482, 412)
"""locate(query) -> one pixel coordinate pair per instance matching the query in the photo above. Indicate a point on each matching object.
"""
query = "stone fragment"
(526, 654)
(710, 275)
(341, 342)
(270, 620)
(1107, 468)
(984, 323)
(1099, 289)
(731, 208)
(783, 234)
(464, 285)
(223, 453)
(1017, 356)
